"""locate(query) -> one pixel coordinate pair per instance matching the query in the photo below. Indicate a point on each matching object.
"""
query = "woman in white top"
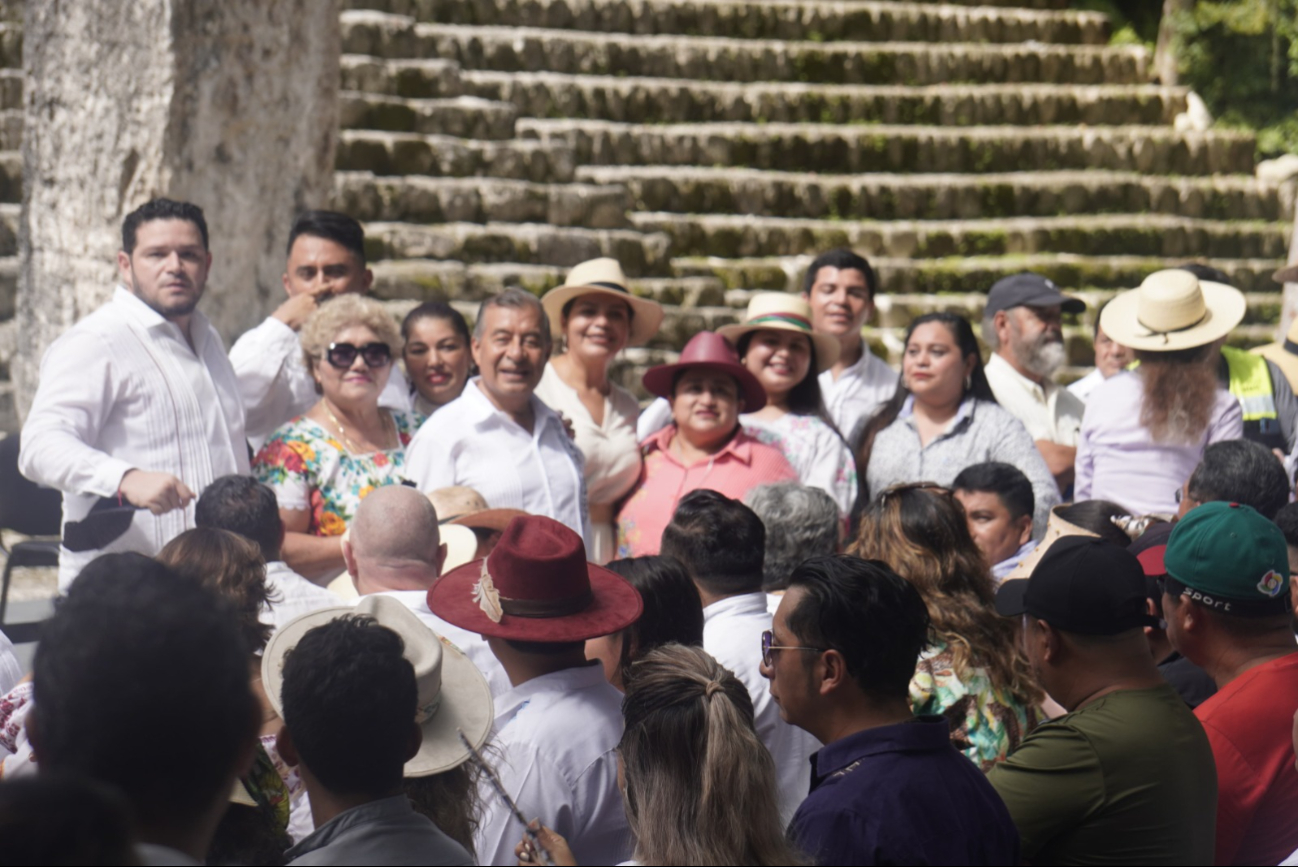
(776, 344)
(597, 317)
(436, 354)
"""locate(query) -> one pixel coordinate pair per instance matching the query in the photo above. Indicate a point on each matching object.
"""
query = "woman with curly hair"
(972, 671)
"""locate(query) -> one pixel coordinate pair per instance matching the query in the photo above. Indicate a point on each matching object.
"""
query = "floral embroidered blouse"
(308, 468)
(986, 724)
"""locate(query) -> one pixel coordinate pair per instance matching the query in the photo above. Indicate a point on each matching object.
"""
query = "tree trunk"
(1165, 61)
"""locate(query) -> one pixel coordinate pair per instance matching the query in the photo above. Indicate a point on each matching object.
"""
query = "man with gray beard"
(1022, 324)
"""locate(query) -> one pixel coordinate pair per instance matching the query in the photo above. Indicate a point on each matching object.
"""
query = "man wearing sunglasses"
(138, 407)
(326, 258)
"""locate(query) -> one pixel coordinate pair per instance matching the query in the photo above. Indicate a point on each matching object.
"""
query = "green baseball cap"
(1231, 559)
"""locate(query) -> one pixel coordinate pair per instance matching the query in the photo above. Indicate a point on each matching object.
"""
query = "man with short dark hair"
(840, 287)
(326, 257)
(887, 787)
(1227, 605)
(1023, 326)
(998, 505)
(1237, 471)
(1126, 776)
(498, 437)
(142, 683)
(800, 521)
(247, 508)
(138, 409)
(721, 543)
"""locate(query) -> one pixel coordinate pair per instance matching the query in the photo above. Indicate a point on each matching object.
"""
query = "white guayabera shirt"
(122, 390)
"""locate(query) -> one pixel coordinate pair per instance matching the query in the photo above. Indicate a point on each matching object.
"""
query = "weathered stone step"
(664, 100)
(8, 281)
(11, 89)
(885, 148)
(690, 189)
(394, 153)
(11, 176)
(972, 273)
(11, 44)
(730, 236)
(641, 253)
(458, 116)
(821, 20)
(418, 199)
(426, 279)
(526, 49)
(413, 79)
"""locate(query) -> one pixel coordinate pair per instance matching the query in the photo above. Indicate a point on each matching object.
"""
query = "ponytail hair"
(700, 785)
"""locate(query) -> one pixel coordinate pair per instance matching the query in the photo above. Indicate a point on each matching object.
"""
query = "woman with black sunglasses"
(323, 463)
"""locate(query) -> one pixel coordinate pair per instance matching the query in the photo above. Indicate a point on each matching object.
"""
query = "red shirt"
(1250, 726)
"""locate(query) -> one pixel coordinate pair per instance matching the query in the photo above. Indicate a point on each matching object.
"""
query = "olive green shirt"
(1127, 779)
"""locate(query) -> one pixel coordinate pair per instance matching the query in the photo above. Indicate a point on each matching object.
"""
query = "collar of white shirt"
(559, 682)
(737, 606)
(147, 317)
(966, 410)
(481, 412)
(1003, 372)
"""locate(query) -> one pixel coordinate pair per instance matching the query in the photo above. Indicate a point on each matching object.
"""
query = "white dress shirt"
(732, 633)
(275, 384)
(123, 390)
(11, 671)
(296, 595)
(858, 393)
(470, 442)
(1084, 386)
(471, 644)
(556, 742)
(1048, 411)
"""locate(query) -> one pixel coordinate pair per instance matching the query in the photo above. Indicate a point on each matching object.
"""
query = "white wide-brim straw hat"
(604, 277)
(1056, 528)
(1173, 310)
(453, 694)
(781, 311)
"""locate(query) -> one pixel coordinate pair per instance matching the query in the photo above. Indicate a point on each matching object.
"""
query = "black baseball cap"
(1083, 585)
(1029, 289)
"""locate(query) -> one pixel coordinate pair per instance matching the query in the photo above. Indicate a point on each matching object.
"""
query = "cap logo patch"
(1271, 584)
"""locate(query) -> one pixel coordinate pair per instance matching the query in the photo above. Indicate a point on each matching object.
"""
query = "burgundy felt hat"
(708, 350)
(536, 586)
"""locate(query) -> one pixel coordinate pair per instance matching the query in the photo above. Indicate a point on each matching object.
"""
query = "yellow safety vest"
(1250, 382)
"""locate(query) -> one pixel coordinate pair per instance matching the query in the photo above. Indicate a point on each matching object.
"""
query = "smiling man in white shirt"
(326, 257)
(137, 402)
(1023, 325)
(840, 286)
(498, 437)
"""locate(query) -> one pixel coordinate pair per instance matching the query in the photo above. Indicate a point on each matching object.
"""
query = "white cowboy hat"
(1056, 528)
(1173, 310)
(604, 277)
(453, 694)
(781, 311)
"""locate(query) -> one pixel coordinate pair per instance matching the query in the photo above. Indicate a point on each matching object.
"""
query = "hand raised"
(158, 492)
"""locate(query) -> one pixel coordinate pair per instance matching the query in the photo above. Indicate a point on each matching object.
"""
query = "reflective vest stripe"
(1250, 383)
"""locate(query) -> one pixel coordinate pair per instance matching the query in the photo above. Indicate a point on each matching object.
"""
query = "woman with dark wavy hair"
(972, 672)
(943, 418)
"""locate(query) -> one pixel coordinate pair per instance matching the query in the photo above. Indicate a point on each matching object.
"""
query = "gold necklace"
(342, 431)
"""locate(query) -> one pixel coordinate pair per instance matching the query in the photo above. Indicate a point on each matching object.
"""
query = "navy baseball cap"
(1083, 585)
(1031, 290)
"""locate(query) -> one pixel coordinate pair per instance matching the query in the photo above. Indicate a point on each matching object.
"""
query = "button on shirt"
(732, 633)
(1048, 412)
(386, 831)
(275, 384)
(121, 390)
(556, 738)
(901, 794)
(858, 393)
(470, 442)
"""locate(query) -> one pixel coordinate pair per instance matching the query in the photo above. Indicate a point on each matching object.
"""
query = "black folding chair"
(27, 508)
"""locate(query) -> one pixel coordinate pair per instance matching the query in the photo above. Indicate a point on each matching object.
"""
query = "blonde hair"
(1180, 392)
(700, 785)
(230, 566)
(344, 311)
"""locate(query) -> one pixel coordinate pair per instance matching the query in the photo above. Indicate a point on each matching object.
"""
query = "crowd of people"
(441, 592)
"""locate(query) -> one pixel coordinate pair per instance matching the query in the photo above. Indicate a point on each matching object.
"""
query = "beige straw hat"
(781, 311)
(1056, 528)
(1173, 310)
(604, 277)
(453, 694)
(1285, 353)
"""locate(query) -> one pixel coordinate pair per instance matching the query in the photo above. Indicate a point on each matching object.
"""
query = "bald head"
(394, 542)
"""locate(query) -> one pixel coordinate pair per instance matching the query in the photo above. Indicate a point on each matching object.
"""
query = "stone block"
(412, 79)
(366, 31)
(386, 153)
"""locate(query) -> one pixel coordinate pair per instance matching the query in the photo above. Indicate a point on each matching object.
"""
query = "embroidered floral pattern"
(308, 468)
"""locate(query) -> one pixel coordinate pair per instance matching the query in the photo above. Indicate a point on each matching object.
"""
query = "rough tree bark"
(1165, 66)
(231, 105)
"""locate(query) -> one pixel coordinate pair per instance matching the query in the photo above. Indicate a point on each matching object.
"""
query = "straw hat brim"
(488, 519)
(1057, 528)
(466, 703)
(615, 605)
(658, 380)
(827, 346)
(645, 323)
(1283, 359)
(1225, 305)
(461, 544)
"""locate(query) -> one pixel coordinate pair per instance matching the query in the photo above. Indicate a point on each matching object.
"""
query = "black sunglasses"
(343, 355)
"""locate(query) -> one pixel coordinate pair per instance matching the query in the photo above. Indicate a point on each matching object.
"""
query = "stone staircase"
(713, 146)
